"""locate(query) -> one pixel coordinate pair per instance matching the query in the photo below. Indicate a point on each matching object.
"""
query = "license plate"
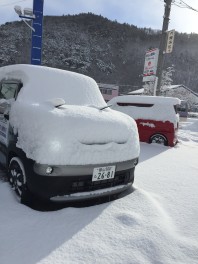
(103, 173)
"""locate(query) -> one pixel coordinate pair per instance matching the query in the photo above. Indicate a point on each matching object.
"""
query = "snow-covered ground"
(156, 223)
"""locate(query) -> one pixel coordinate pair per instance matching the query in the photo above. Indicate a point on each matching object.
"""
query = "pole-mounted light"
(36, 16)
(27, 13)
(18, 10)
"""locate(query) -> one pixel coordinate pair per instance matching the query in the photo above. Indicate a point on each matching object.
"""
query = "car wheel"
(17, 178)
(159, 139)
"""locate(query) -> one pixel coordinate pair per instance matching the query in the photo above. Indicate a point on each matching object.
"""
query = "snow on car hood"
(73, 135)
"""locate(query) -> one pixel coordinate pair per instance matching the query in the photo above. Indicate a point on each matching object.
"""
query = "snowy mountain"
(106, 50)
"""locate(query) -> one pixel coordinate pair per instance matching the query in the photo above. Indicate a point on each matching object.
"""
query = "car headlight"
(49, 170)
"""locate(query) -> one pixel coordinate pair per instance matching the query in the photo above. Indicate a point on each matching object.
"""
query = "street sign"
(150, 65)
(170, 41)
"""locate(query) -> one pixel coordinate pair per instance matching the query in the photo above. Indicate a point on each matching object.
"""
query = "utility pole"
(162, 46)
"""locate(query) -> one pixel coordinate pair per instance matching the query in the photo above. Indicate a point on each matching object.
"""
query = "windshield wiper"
(104, 107)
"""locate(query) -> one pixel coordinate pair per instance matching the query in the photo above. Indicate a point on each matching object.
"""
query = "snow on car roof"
(158, 108)
(145, 99)
(42, 83)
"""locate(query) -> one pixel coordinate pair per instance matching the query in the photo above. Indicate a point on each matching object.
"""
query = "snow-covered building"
(137, 92)
(108, 90)
(182, 92)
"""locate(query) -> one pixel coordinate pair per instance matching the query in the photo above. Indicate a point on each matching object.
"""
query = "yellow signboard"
(170, 41)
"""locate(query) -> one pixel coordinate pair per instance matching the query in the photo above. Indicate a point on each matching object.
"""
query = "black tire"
(17, 179)
(159, 139)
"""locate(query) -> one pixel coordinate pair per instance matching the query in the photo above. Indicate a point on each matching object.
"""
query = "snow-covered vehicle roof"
(75, 133)
(146, 99)
(44, 83)
(153, 107)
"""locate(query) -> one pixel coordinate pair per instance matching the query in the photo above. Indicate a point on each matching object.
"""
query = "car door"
(8, 93)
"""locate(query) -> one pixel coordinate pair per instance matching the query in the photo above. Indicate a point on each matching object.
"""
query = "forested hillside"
(105, 50)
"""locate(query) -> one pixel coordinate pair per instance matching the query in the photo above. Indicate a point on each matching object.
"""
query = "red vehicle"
(156, 116)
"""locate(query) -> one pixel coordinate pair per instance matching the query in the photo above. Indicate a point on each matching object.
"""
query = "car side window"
(8, 90)
(135, 104)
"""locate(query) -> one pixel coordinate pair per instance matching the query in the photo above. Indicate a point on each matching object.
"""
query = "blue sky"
(141, 13)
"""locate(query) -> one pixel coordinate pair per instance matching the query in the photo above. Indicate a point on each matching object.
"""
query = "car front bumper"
(72, 183)
(92, 194)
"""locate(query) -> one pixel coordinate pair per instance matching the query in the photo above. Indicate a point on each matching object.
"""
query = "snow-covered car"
(58, 138)
(156, 116)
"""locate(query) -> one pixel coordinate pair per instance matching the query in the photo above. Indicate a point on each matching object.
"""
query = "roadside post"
(155, 86)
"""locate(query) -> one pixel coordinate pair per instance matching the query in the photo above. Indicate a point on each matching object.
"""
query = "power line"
(182, 4)
(189, 6)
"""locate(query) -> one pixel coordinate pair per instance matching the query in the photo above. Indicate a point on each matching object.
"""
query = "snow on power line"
(182, 4)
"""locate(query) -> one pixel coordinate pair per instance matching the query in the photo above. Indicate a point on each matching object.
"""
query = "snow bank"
(188, 132)
(162, 109)
(155, 224)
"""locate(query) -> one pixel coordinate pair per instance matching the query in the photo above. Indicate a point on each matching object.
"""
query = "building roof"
(108, 86)
(141, 91)
(179, 86)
